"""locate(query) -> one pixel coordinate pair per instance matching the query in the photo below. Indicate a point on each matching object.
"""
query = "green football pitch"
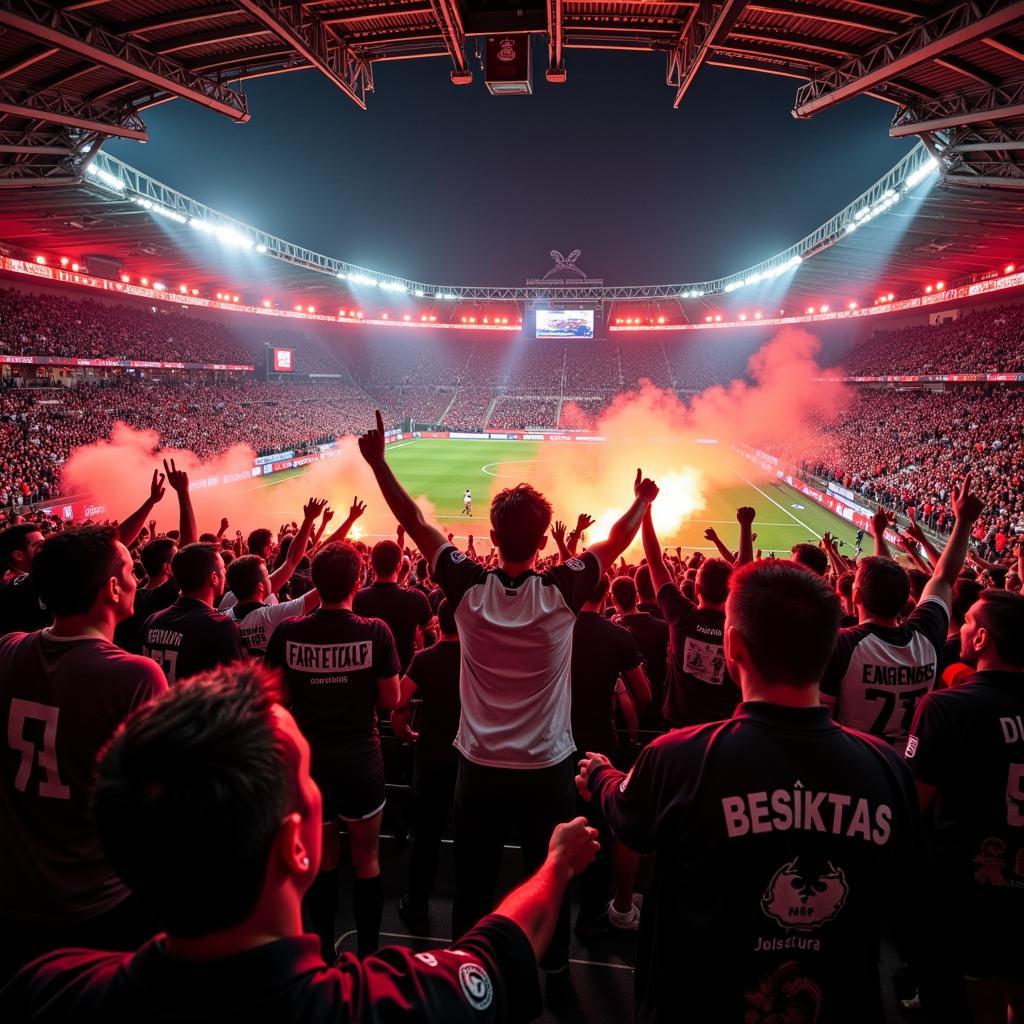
(442, 469)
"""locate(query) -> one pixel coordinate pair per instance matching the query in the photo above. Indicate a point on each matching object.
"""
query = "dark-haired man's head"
(336, 571)
(992, 636)
(918, 580)
(712, 583)
(199, 571)
(781, 625)
(623, 591)
(446, 620)
(881, 589)
(18, 546)
(156, 557)
(595, 599)
(386, 558)
(810, 556)
(85, 574)
(644, 586)
(248, 578)
(205, 806)
(260, 542)
(965, 593)
(520, 517)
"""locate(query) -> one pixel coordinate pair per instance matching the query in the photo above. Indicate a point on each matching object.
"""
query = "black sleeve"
(231, 648)
(629, 653)
(424, 613)
(386, 663)
(274, 653)
(933, 741)
(840, 661)
(674, 606)
(488, 977)
(454, 573)
(931, 619)
(575, 579)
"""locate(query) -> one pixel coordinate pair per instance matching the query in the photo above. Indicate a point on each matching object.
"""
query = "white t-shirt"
(259, 621)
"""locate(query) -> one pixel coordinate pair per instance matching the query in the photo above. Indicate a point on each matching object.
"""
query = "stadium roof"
(77, 72)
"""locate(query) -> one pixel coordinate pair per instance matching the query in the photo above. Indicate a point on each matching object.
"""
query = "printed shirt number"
(21, 712)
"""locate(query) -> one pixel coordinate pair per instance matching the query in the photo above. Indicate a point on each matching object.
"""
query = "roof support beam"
(57, 108)
(828, 15)
(26, 60)
(308, 37)
(988, 147)
(963, 23)
(449, 21)
(710, 22)
(1014, 50)
(78, 35)
(556, 40)
(818, 45)
(961, 67)
(183, 17)
(954, 111)
(985, 180)
(346, 14)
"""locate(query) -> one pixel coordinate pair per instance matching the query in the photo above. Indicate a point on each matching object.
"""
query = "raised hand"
(710, 534)
(879, 521)
(914, 530)
(745, 515)
(558, 531)
(828, 541)
(583, 522)
(371, 444)
(312, 509)
(156, 487)
(328, 515)
(224, 524)
(357, 509)
(177, 478)
(643, 488)
(966, 505)
(152, 529)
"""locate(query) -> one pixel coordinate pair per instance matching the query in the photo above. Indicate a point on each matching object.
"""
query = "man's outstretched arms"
(429, 539)
(623, 532)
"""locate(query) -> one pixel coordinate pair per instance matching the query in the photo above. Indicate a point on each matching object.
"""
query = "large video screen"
(283, 360)
(565, 323)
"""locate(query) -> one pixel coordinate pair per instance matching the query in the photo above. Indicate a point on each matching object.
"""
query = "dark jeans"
(433, 790)
(488, 802)
(124, 928)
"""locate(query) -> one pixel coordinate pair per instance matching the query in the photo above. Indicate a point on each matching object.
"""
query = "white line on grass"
(777, 505)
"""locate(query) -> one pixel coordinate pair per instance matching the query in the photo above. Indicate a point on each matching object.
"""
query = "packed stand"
(512, 412)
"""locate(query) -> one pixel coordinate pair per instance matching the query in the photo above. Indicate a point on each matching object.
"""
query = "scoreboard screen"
(283, 361)
(565, 323)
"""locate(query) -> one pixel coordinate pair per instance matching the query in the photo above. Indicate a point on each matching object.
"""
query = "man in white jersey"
(514, 740)
(467, 503)
(883, 666)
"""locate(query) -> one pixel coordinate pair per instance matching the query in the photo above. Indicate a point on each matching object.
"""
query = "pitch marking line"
(777, 505)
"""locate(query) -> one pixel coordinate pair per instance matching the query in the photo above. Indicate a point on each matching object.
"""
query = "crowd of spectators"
(516, 412)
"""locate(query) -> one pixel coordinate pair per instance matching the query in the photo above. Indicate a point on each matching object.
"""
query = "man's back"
(190, 637)
(148, 601)
(60, 701)
(402, 609)
(20, 608)
(782, 839)
(651, 635)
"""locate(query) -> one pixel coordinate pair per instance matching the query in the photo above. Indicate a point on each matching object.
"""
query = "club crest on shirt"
(990, 862)
(457, 556)
(804, 902)
(576, 564)
(911, 746)
(784, 995)
(476, 986)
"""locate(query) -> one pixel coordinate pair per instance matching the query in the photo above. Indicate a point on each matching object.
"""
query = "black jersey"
(601, 652)
(969, 742)
(435, 672)
(402, 609)
(490, 978)
(148, 601)
(697, 683)
(190, 637)
(21, 611)
(332, 661)
(782, 841)
(877, 675)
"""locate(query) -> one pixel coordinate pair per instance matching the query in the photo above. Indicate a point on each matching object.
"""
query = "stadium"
(242, 309)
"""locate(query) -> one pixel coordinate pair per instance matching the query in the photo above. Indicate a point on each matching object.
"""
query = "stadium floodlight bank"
(126, 182)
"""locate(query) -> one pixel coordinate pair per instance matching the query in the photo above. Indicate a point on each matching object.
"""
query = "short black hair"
(193, 565)
(624, 593)
(71, 568)
(244, 576)
(788, 618)
(191, 792)
(385, 557)
(1002, 615)
(259, 540)
(810, 556)
(15, 538)
(644, 586)
(599, 591)
(884, 586)
(156, 554)
(520, 516)
(965, 593)
(713, 580)
(446, 618)
(918, 579)
(335, 571)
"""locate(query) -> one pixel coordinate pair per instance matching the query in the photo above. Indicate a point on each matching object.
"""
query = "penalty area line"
(777, 505)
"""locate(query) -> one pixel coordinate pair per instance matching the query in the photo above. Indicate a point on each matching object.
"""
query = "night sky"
(454, 186)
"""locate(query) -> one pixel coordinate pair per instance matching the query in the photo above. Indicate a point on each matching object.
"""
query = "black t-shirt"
(601, 652)
(950, 653)
(651, 635)
(651, 607)
(190, 637)
(697, 684)
(969, 742)
(21, 611)
(403, 610)
(332, 660)
(878, 674)
(435, 672)
(782, 842)
(128, 634)
(490, 978)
